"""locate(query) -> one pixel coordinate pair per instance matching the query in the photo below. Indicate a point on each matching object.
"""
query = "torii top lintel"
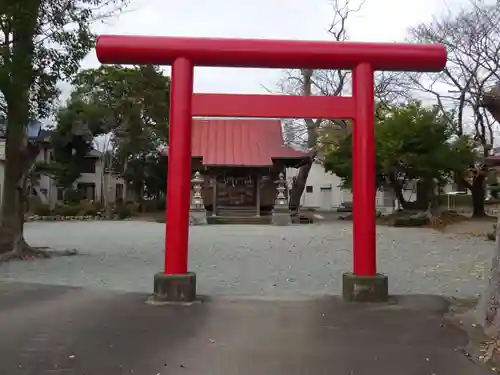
(263, 53)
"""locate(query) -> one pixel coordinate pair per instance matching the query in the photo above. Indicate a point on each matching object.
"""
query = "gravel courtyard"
(265, 261)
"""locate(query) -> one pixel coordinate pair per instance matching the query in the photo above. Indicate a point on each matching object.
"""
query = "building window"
(309, 189)
(60, 194)
(119, 191)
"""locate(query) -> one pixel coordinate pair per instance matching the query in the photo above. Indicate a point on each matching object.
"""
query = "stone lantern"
(281, 212)
(197, 212)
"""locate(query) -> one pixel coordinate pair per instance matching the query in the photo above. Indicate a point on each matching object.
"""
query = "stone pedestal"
(281, 211)
(365, 288)
(197, 211)
(198, 216)
(281, 216)
(174, 288)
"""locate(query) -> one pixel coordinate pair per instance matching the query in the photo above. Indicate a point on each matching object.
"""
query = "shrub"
(98, 205)
(41, 209)
(148, 205)
(161, 204)
(67, 210)
(88, 208)
(122, 211)
(152, 205)
(412, 221)
(133, 206)
(73, 196)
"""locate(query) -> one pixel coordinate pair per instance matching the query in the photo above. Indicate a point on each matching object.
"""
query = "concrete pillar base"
(365, 288)
(281, 216)
(175, 288)
(198, 216)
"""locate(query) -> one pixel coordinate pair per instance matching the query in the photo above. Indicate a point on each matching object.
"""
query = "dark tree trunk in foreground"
(487, 312)
(19, 159)
(14, 199)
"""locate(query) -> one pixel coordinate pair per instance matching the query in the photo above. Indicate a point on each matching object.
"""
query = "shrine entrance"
(236, 191)
(183, 54)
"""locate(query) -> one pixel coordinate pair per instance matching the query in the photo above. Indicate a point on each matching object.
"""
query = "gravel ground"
(248, 260)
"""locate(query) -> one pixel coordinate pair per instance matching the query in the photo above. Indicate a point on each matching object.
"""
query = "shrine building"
(240, 161)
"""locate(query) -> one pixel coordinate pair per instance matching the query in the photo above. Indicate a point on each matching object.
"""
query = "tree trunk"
(18, 167)
(300, 181)
(298, 186)
(478, 195)
(424, 194)
(398, 192)
(425, 197)
(13, 202)
(16, 92)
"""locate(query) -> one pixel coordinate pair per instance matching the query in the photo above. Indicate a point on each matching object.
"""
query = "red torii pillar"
(176, 283)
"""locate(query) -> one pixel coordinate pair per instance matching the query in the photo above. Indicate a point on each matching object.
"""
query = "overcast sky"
(379, 21)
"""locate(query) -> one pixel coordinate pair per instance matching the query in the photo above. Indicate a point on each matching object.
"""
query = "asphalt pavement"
(63, 330)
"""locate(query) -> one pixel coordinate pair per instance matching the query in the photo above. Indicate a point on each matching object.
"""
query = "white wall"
(326, 193)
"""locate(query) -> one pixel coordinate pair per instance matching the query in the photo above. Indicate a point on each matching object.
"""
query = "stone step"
(232, 213)
(240, 211)
(265, 220)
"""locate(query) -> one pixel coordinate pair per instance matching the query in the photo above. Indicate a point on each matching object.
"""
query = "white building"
(323, 191)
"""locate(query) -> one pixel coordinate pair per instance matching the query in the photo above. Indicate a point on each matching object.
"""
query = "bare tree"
(308, 82)
(472, 38)
(470, 85)
(309, 134)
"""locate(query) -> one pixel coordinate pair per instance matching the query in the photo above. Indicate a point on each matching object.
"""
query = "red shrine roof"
(240, 142)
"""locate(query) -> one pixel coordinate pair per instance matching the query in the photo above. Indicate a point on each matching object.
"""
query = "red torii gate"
(176, 283)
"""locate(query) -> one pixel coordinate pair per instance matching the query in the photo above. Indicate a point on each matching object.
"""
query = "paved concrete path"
(258, 260)
(49, 330)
